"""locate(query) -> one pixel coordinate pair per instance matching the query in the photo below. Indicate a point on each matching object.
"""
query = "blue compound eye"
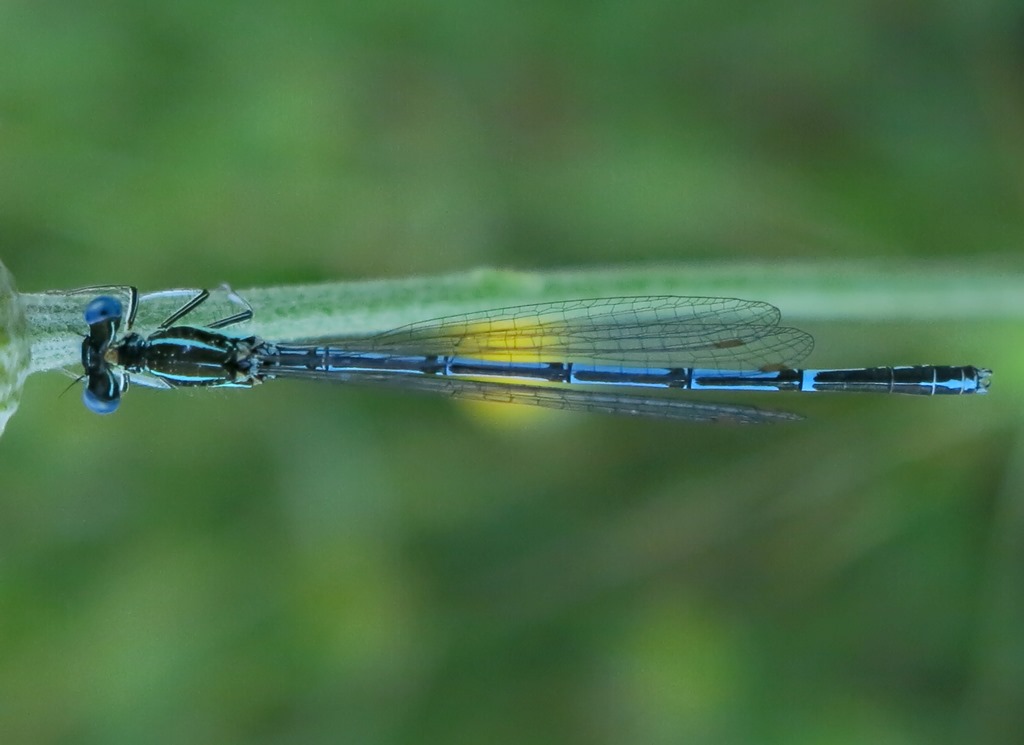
(102, 309)
(98, 405)
(102, 394)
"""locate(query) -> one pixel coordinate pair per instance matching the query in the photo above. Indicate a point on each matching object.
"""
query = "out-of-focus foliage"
(295, 564)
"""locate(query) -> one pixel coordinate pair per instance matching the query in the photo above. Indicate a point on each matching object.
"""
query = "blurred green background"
(296, 564)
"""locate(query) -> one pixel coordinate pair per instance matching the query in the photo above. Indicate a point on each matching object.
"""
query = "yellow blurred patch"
(510, 341)
(504, 416)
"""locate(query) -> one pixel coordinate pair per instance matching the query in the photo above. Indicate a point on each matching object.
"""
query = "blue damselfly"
(595, 355)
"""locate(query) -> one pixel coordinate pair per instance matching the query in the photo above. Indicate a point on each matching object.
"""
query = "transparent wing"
(562, 398)
(656, 331)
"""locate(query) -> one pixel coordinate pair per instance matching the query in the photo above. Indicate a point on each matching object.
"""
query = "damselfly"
(584, 355)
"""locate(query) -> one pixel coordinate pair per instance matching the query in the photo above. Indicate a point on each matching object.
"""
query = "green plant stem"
(14, 347)
(849, 292)
(50, 323)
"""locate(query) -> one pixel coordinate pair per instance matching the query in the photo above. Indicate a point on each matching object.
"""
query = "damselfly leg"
(201, 297)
